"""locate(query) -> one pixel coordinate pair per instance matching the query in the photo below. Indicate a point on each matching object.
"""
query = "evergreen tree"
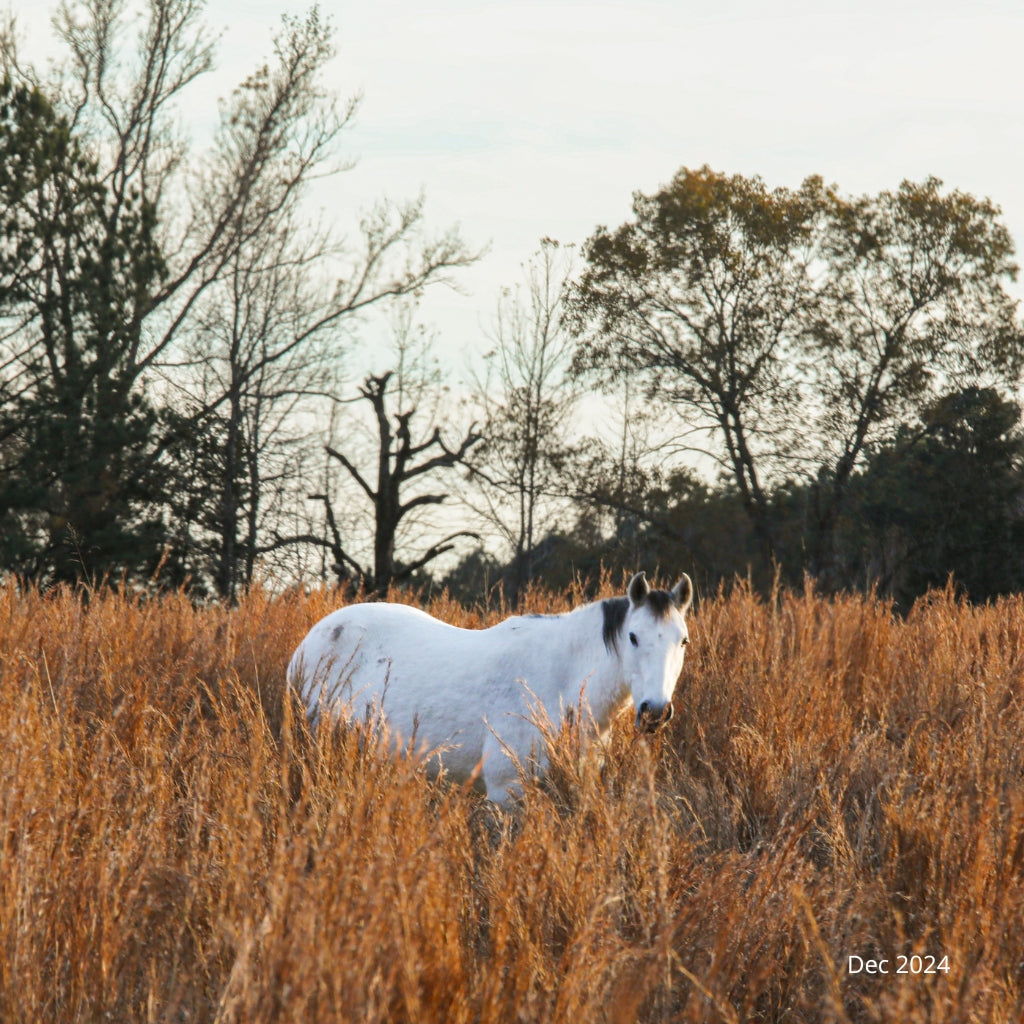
(76, 273)
(945, 498)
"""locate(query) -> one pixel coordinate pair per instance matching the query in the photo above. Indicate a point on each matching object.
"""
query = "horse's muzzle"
(650, 718)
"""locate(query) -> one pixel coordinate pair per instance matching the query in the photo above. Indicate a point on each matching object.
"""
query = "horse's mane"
(614, 611)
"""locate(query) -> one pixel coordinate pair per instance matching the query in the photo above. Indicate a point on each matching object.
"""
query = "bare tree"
(246, 385)
(528, 397)
(621, 473)
(400, 462)
(377, 460)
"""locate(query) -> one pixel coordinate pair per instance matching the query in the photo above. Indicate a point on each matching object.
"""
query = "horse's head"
(653, 643)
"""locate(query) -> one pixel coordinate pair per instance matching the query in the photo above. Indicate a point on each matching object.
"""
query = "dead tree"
(400, 464)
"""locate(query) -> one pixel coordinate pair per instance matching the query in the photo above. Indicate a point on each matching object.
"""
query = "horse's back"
(423, 674)
(358, 635)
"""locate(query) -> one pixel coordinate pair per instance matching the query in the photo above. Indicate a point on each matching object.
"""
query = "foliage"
(800, 328)
(946, 498)
(836, 782)
(914, 302)
(701, 296)
(943, 499)
(78, 269)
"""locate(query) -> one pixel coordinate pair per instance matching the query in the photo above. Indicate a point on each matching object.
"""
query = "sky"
(531, 119)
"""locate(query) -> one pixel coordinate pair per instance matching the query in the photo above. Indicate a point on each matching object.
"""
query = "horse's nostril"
(645, 707)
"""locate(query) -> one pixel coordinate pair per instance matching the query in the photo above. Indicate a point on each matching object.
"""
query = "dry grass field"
(836, 783)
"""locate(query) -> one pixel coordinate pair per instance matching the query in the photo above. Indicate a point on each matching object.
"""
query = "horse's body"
(475, 694)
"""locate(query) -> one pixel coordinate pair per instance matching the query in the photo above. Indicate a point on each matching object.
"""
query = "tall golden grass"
(836, 782)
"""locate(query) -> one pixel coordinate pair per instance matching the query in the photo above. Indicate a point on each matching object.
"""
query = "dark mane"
(614, 611)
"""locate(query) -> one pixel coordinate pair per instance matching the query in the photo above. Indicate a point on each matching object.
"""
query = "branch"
(280, 541)
(438, 549)
(423, 499)
(435, 438)
(356, 475)
(450, 458)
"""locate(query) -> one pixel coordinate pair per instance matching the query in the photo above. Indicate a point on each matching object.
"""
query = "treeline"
(738, 381)
(942, 500)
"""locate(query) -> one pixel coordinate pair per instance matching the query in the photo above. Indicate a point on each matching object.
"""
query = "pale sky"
(520, 120)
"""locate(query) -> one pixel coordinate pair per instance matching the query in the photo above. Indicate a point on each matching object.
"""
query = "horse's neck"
(606, 690)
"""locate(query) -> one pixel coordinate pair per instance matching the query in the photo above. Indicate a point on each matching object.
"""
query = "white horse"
(477, 695)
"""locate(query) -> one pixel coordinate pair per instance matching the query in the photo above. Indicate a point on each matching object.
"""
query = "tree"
(701, 297)
(214, 224)
(913, 301)
(944, 497)
(528, 398)
(77, 272)
(401, 465)
(618, 481)
(251, 363)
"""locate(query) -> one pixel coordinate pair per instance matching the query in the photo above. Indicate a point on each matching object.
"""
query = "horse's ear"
(639, 588)
(682, 593)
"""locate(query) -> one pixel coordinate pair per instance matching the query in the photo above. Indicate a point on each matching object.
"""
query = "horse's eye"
(633, 640)
(684, 641)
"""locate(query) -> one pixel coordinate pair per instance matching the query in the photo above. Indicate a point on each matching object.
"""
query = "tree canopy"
(800, 329)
